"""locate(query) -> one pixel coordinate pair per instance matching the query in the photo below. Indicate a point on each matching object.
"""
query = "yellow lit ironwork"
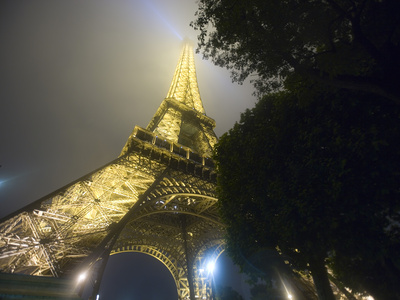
(158, 197)
(184, 84)
(181, 117)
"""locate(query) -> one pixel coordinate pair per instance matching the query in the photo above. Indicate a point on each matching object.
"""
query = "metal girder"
(158, 225)
(76, 219)
(158, 197)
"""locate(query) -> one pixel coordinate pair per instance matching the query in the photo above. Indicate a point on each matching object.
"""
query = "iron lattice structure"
(158, 197)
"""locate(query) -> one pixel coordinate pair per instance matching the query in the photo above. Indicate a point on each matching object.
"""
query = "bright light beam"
(153, 8)
(211, 267)
(287, 292)
(6, 180)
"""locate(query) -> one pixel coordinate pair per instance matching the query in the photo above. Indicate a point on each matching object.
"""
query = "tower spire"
(181, 117)
(184, 84)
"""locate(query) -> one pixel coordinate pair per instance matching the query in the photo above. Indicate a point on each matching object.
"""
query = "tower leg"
(189, 261)
(99, 276)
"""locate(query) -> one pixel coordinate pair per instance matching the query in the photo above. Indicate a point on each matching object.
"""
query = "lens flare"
(289, 295)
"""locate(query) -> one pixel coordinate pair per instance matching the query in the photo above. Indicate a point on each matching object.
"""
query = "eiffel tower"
(158, 198)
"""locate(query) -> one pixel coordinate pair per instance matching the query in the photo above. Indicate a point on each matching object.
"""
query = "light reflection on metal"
(164, 180)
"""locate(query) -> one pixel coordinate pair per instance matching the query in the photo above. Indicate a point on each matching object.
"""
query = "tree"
(352, 44)
(311, 173)
(264, 292)
(227, 293)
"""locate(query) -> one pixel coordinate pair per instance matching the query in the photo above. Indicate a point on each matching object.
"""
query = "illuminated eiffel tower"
(158, 197)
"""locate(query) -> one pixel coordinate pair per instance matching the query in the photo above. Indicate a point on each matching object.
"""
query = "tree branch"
(356, 84)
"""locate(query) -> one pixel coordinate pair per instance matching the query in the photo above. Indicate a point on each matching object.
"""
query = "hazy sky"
(77, 76)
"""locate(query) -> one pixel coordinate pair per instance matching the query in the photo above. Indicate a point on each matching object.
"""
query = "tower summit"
(181, 117)
(158, 198)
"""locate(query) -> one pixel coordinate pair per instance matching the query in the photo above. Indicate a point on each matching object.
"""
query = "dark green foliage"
(312, 172)
(227, 293)
(315, 173)
(352, 44)
(264, 292)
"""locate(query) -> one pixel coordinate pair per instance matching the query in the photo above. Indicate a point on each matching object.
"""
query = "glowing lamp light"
(82, 277)
(211, 266)
(290, 296)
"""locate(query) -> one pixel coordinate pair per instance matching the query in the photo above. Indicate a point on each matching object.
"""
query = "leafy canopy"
(313, 173)
(351, 44)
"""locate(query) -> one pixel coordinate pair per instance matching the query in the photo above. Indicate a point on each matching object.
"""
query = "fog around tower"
(77, 76)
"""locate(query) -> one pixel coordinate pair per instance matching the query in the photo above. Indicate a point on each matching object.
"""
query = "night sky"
(77, 76)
